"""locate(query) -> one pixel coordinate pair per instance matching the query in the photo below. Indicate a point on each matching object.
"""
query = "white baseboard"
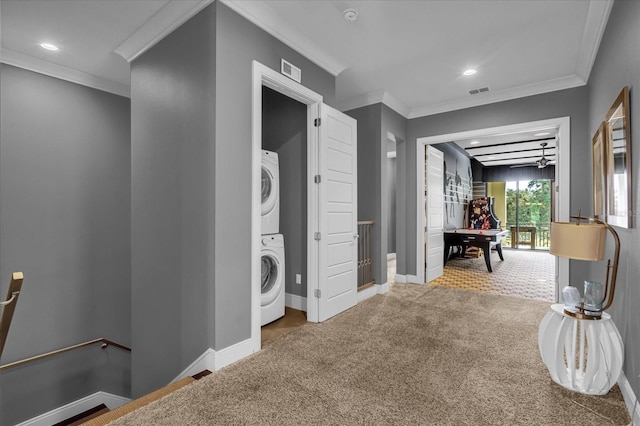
(76, 407)
(630, 399)
(372, 291)
(413, 279)
(296, 302)
(391, 256)
(215, 360)
(406, 279)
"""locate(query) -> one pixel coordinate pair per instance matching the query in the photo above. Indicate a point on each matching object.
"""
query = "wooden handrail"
(105, 344)
(9, 307)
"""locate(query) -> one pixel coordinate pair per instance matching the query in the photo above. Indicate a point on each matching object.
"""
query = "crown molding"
(258, 13)
(381, 96)
(499, 96)
(597, 18)
(371, 98)
(31, 63)
(166, 20)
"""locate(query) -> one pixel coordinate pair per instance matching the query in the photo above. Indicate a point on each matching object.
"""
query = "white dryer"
(272, 284)
(270, 193)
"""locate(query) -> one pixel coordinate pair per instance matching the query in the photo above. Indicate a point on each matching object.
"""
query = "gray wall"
(191, 188)
(618, 65)
(284, 130)
(374, 122)
(372, 151)
(391, 205)
(65, 222)
(393, 123)
(172, 160)
(570, 102)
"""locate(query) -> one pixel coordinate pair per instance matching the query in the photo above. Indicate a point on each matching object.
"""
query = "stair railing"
(9, 307)
(105, 343)
(365, 254)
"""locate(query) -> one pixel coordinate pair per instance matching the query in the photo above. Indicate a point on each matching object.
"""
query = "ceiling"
(518, 149)
(408, 54)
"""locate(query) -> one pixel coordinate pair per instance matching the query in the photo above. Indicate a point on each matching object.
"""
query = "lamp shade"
(584, 241)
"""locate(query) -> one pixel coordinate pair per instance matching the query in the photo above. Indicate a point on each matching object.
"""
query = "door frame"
(265, 76)
(562, 176)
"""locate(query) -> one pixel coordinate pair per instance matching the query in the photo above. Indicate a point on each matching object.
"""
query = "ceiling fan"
(541, 163)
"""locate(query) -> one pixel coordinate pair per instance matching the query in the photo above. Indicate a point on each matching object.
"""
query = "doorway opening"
(266, 77)
(562, 177)
(528, 214)
(331, 203)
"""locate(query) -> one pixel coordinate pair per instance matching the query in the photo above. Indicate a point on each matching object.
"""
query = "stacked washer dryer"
(272, 300)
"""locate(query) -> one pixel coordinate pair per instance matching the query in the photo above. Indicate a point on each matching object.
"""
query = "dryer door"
(269, 194)
(271, 278)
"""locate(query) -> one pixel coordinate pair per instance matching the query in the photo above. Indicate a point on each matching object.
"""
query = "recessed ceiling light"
(469, 72)
(350, 15)
(49, 46)
(542, 134)
(474, 142)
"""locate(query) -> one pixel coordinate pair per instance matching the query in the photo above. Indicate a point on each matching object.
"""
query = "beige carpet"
(528, 274)
(425, 355)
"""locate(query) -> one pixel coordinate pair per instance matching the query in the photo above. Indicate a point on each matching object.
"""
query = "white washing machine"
(272, 283)
(270, 193)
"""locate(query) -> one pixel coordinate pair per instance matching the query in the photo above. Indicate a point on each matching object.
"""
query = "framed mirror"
(598, 146)
(618, 159)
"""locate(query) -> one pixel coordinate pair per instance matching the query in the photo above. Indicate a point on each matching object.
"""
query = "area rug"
(419, 355)
(523, 273)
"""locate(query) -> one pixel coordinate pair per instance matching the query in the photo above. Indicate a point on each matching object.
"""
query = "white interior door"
(337, 230)
(434, 213)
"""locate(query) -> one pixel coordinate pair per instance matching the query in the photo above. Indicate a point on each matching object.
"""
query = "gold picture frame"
(599, 147)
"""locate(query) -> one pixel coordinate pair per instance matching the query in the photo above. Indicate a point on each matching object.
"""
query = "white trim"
(76, 407)
(561, 83)
(630, 399)
(375, 97)
(413, 279)
(261, 15)
(400, 278)
(381, 96)
(264, 76)
(392, 154)
(40, 66)
(162, 23)
(206, 361)
(215, 360)
(372, 291)
(597, 18)
(563, 179)
(296, 302)
(391, 256)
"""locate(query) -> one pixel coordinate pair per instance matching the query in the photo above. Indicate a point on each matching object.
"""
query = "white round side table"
(582, 355)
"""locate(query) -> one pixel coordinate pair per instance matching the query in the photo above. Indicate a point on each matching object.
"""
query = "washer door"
(268, 190)
(271, 283)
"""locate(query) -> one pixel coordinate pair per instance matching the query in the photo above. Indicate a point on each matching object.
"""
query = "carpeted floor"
(428, 355)
(528, 274)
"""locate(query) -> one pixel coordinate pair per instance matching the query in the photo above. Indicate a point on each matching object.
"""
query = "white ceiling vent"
(480, 90)
(290, 70)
